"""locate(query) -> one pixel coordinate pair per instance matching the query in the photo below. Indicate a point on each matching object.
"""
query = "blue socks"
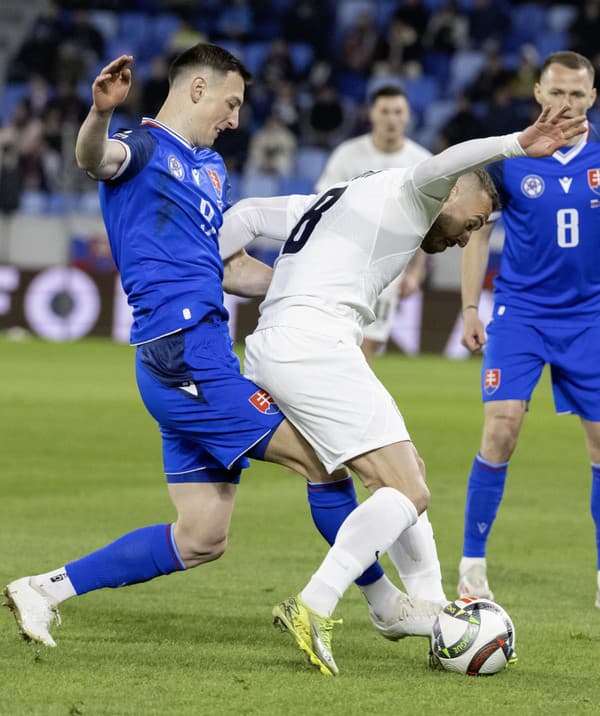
(484, 495)
(136, 557)
(595, 506)
(330, 504)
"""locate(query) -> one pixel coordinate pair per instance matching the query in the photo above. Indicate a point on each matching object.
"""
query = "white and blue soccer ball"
(472, 636)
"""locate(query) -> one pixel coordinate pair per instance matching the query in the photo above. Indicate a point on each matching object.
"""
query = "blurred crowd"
(467, 66)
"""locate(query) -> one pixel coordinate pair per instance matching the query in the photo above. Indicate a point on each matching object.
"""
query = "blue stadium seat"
(310, 162)
(259, 185)
(235, 187)
(528, 21)
(296, 185)
(464, 68)
(12, 95)
(163, 27)
(351, 85)
(559, 18)
(438, 113)
(550, 42)
(301, 55)
(384, 11)
(254, 55)
(421, 92)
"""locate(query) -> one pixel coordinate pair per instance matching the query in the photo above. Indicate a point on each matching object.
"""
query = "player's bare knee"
(200, 548)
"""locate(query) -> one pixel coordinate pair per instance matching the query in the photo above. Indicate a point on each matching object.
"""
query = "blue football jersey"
(550, 266)
(163, 213)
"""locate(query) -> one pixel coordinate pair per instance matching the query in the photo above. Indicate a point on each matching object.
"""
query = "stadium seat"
(528, 21)
(310, 162)
(438, 113)
(163, 27)
(254, 54)
(559, 18)
(464, 68)
(421, 92)
(259, 185)
(296, 185)
(301, 55)
(550, 42)
(11, 96)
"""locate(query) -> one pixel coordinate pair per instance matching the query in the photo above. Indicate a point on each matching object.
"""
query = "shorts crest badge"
(491, 380)
(263, 402)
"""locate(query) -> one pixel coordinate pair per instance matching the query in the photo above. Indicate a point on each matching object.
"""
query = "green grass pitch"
(80, 465)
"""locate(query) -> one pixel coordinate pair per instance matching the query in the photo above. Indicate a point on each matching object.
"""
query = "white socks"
(414, 555)
(55, 584)
(366, 534)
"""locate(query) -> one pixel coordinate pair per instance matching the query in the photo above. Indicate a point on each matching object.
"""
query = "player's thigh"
(513, 360)
(326, 389)
(397, 465)
(591, 429)
(288, 447)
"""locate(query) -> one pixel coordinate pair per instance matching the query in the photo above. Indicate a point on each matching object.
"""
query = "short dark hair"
(207, 55)
(386, 91)
(486, 183)
(567, 58)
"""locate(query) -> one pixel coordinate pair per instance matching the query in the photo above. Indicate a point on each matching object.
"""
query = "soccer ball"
(472, 636)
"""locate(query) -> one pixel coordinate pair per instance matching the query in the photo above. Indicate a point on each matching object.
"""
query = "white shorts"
(326, 389)
(385, 309)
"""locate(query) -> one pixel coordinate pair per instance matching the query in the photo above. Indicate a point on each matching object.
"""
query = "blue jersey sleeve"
(496, 172)
(141, 145)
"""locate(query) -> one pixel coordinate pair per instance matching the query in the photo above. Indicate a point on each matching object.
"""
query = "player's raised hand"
(112, 85)
(551, 131)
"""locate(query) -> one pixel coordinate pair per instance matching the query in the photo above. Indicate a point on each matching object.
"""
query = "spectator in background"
(358, 45)
(325, 118)
(38, 52)
(502, 114)
(272, 149)
(586, 29)
(310, 21)
(447, 30)
(285, 107)
(487, 22)
(25, 134)
(235, 21)
(277, 65)
(155, 88)
(492, 76)
(463, 125)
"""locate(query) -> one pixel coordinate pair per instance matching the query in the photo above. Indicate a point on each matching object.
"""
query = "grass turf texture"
(80, 465)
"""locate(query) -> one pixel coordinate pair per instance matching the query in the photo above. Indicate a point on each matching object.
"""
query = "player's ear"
(593, 98)
(537, 93)
(197, 88)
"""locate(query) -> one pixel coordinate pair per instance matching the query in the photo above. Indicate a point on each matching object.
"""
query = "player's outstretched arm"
(246, 276)
(474, 263)
(95, 153)
(435, 176)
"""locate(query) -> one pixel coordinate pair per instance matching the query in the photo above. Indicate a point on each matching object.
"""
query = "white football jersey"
(358, 155)
(345, 245)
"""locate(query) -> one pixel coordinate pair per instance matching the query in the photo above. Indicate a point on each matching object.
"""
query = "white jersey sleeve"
(273, 218)
(436, 176)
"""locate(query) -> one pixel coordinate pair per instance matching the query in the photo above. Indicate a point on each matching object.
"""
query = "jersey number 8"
(567, 228)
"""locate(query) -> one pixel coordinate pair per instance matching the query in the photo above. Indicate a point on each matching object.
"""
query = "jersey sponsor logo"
(175, 167)
(264, 403)
(491, 380)
(532, 186)
(196, 176)
(593, 176)
(565, 182)
(215, 181)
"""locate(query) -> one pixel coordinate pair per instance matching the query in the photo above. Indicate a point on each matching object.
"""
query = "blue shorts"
(515, 356)
(210, 416)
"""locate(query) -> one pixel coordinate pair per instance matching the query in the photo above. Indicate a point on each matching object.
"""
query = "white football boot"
(472, 578)
(33, 610)
(413, 617)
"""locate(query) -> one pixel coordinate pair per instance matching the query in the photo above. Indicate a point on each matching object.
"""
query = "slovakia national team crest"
(215, 181)
(532, 186)
(593, 176)
(264, 403)
(491, 380)
(175, 167)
